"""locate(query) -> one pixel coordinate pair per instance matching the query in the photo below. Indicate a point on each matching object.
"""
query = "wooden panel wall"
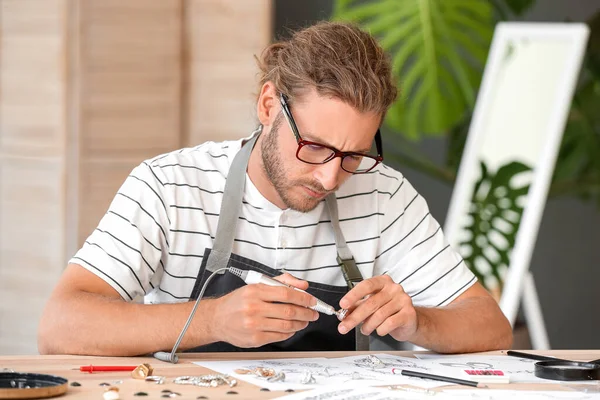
(222, 66)
(32, 153)
(89, 89)
(130, 94)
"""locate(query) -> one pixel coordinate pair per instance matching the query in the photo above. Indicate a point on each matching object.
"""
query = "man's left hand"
(383, 306)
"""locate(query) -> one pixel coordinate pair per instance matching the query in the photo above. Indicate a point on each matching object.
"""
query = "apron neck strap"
(231, 206)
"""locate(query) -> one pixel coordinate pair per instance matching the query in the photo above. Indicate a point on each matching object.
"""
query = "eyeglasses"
(317, 153)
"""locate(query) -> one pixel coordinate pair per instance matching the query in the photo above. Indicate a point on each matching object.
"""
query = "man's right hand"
(258, 314)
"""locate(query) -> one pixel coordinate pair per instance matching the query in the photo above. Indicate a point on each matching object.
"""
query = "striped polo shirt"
(153, 237)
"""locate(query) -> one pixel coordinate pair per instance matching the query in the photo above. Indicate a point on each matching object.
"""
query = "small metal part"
(140, 394)
(159, 380)
(104, 384)
(371, 362)
(184, 380)
(211, 380)
(278, 377)
(243, 371)
(289, 390)
(232, 392)
(264, 372)
(142, 371)
(341, 314)
(111, 393)
(201, 397)
(265, 389)
(307, 377)
(117, 382)
(75, 384)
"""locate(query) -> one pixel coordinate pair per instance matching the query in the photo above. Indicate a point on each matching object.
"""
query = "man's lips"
(316, 195)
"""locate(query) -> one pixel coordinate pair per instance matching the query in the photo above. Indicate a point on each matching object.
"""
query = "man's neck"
(259, 178)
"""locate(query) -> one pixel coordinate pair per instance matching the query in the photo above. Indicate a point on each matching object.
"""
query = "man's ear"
(267, 106)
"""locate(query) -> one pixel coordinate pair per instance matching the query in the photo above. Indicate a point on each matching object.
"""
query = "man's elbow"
(507, 337)
(48, 338)
(45, 345)
(504, 336)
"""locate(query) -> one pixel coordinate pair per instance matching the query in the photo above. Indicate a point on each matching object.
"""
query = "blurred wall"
(89, 89)
(567, 256)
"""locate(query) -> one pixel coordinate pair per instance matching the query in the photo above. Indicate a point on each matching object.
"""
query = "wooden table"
(68, 367)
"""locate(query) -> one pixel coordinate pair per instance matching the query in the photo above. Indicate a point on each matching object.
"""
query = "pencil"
(530, 356)
(443, 378)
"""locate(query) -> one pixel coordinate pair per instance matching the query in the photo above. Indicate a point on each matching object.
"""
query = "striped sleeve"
(415, 253)
(131, 239)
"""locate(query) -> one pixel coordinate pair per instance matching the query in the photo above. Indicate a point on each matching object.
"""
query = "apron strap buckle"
(350, 271)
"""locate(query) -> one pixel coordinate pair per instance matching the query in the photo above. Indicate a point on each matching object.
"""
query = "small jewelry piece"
(159, 380)
(142, 371)
(278, 377)
(307, 378)
(264, 372)
(370, 362)
(243, 371)
(112, 393)
(341, 314)
(206, 380)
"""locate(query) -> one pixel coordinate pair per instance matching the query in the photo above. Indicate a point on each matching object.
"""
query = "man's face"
(328, 121)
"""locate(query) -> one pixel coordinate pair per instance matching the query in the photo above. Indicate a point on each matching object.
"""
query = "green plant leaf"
(495, 215)
(438, 50)
(518, 7)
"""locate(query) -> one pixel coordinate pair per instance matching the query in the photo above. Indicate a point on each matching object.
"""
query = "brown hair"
(337, 59)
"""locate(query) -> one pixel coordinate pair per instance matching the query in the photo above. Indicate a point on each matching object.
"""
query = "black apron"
(321, 334)
(318, 335)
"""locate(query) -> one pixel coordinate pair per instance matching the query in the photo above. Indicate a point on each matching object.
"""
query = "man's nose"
(329, 174)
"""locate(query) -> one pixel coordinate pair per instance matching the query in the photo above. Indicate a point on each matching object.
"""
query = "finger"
(291, 280)
(284, 294)
(393, 322)
(363, 311)
(404, 320)
(363, 289)
(282, 325)
(290, 312)
(373, 322)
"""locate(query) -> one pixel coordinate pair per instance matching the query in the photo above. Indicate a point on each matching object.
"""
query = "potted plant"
(438, 49)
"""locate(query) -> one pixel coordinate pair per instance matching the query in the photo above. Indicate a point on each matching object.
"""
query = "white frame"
(517, 275)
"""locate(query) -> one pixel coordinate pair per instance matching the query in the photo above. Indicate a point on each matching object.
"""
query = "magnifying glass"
(561, 370)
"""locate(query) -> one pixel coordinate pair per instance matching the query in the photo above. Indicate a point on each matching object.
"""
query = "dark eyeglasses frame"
(336, 153)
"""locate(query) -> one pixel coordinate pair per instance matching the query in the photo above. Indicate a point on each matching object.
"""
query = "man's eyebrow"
(314, 138)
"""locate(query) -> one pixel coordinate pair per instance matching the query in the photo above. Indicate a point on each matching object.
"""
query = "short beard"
(275, 170)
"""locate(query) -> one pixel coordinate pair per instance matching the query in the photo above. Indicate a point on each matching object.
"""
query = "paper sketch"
(477, 394)
(520, 370)
(491, 394)
(371, 393)
(382, 369)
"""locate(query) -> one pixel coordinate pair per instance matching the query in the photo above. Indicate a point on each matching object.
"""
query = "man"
(323, 96)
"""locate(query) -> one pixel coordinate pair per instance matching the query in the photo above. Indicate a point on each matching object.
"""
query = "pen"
(106, 368)
(442, 378)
